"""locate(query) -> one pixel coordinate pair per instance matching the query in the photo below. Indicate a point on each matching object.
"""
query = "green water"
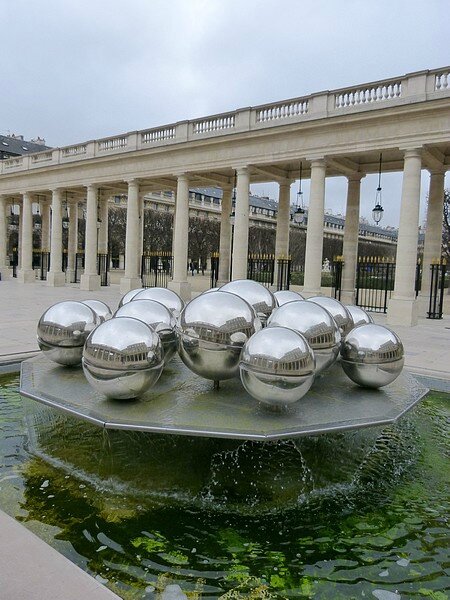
(351, 515)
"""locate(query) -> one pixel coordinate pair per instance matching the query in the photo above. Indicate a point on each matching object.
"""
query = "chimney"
(38, 140)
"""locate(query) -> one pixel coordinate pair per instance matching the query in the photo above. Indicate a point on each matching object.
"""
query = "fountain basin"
(183, 403)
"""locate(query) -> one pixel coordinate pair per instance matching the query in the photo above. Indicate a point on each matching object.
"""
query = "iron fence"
(438, 271)
(374, 283)
(103, 268)
(261, 268)
(156, 269)
(14, 262)
(336, 276)
(214, 269)
(283, 273)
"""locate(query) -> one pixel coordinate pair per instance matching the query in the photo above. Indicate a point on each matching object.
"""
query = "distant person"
(192, 268)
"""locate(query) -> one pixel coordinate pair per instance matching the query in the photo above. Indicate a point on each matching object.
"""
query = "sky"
(75, 70)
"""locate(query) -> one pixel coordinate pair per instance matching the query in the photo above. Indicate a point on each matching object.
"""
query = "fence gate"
(79, 266)
(336, 276)
(374, 283)
(261, 268)
(156, 269)
(45, 265)
(214, 269)
(103, 268)
(438, 271)
(283, 273)
(14, 262)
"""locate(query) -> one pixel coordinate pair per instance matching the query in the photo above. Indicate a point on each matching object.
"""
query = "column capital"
(285, 182)
(132, 181)
(182, 176)
(412, 152)
(356, 176)
(242, 170)
(437, 172)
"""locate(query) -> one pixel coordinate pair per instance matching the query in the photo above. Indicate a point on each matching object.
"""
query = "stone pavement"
(50, 575)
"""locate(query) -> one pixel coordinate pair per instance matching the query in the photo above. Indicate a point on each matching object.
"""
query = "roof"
(17, 146)
(257, 201)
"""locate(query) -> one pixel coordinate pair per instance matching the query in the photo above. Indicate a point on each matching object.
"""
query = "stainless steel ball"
(316, 324)
(337, 310)
(123, 358)
(170, 299)
(372, 355)
(277, 366)
(258, 296)
(63, 329)
(358, 315)
(284, 296)
(128, 297)
(101, 309)
(158, 317)
(212, 331)
(213, 289)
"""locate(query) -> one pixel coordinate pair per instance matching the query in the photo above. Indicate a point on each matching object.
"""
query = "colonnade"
(403, 306)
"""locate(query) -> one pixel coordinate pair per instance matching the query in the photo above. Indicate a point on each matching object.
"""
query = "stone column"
(432, 249)
(132, 280)
(283, 224)
(241, 222)
(179, 283)
(72, 243)
(19, 235)
(26, 273)
(103, 229)
(350, 245)
(314, 232)
(45, 227)
(90, 280)
(225, 237)
(4, 262)
(141, 226)
(55, 276)
(402, 307)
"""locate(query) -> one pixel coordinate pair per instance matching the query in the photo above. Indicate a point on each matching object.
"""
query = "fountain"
(213, 509)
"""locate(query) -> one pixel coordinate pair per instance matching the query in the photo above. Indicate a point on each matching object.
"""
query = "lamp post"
(377, 211)
(299, 213)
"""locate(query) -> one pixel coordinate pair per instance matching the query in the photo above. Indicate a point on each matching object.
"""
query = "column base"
(56, 279)
(70, 276)
(129, 283)
(221, 282)
(182, 288)
(402, 311)
(5, 272)
(348, 297)
(90, 283)
(26, 276)
(310, 293)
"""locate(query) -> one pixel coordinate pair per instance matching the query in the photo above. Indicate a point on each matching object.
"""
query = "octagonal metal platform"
(183, 403)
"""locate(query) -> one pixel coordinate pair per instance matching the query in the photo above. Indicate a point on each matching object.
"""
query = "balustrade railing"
(158, 135)
(113, 143)
(368, 95)
(73, 150)
(423, 84)
(218, 123)
(282, 110)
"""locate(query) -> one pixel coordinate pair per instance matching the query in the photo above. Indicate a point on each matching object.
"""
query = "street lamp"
(377, 211)
(299, 214)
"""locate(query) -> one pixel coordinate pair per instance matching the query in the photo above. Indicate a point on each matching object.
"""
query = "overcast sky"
(73, 70)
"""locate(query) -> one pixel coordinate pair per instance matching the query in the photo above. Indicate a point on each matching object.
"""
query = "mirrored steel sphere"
(316, 324)
(212, 331)
(129, 296)
(213, 289)
(358, 315)
(170, 299)
(372, 355)
(63, 329)
(284, 296)
(101, 309)
(277, 366)
(258, 296)
(158, 317)
(123, 358)
(337, 310)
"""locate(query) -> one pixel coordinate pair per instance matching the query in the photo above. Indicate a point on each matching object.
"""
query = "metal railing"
(374, 283)
(261, 268)
(438, 271)
(156, 269)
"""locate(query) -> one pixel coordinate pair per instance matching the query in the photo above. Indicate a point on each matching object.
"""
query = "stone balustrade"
(414, 87)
